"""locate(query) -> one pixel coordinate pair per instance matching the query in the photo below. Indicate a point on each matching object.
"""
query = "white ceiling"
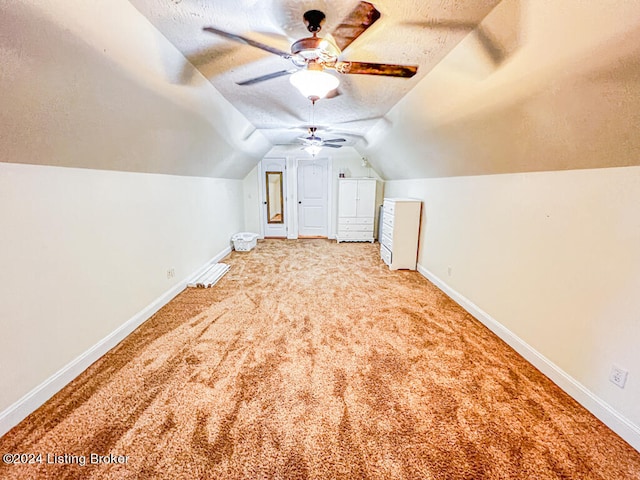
(274, 107)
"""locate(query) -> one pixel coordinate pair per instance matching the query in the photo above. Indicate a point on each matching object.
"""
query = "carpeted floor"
(311, 359)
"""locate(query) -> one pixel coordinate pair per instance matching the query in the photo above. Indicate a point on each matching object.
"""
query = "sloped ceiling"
(274, 107)
(88, 85)
(509, 86)
(567, 96)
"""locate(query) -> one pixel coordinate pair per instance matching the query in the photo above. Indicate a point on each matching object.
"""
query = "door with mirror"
(274, 198)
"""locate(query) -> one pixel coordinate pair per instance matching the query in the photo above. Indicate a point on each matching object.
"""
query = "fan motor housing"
(316, 48)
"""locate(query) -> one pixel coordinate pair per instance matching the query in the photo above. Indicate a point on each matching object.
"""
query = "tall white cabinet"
(356, 209)
(399, 233)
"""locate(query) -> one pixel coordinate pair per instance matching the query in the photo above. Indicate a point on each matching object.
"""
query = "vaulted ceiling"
(502, 86)
(412, 32)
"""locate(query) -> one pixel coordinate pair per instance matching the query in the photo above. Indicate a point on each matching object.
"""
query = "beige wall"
(89, 110)
(529, 175)
(82, 251)
(552, 256)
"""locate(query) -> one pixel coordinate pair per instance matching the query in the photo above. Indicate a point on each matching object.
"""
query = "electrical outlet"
(171, 273)
(449, 270)
(618, 376)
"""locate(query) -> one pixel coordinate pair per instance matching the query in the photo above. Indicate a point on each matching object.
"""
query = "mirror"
(275, 202)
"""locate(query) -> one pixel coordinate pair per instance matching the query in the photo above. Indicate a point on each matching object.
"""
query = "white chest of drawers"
(356, 209)
(399, 233)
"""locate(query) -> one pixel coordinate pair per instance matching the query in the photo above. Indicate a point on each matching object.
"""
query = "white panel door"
(274, 197)
(312, 198)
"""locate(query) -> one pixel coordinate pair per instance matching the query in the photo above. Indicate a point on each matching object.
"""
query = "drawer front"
(386, 230)
(385, 254)
(388, 219)
(389, 207)
(359, 236)
(387, 241)
(355, 227)
(355, 220)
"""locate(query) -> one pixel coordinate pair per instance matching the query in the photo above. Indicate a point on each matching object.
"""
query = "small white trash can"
(244, 241)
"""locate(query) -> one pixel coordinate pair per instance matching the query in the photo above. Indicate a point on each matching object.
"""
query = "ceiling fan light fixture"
(313, 150)
(314, 84)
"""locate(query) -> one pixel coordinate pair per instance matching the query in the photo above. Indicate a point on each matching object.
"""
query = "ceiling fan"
(313, 144)
(317, 53)
(313, 139)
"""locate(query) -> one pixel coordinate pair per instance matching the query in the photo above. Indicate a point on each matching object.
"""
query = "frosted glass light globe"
(314, 84)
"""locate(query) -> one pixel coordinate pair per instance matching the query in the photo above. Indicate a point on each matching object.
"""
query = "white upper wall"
(567, 96)
(94, 85)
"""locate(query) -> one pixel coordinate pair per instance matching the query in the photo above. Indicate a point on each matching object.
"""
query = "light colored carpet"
(311, 359)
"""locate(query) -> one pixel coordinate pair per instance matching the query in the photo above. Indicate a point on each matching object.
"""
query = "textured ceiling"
(416, 32)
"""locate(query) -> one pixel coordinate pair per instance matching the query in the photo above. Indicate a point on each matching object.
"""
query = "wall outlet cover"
(618, 376)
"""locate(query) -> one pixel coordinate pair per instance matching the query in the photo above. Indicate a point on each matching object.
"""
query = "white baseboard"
(629, 431)
(19, 410)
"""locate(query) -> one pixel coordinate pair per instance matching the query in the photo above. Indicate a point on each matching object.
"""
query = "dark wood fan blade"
(364, 68)
(331, 145)
(335, 140)
(248, 41)
(268, 76)
(360, 18)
